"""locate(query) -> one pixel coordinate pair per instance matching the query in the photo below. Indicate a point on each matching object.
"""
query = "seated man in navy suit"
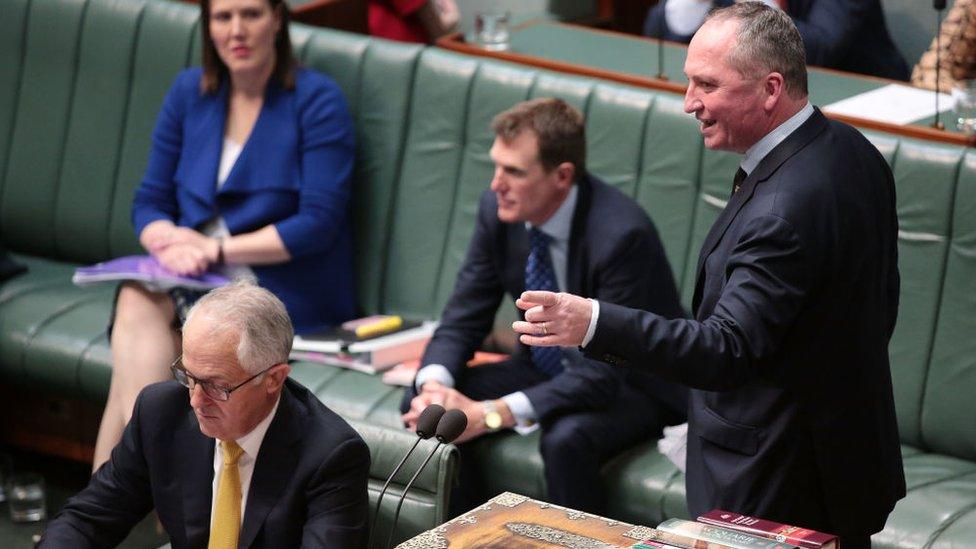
(247, 458)
(547, 223)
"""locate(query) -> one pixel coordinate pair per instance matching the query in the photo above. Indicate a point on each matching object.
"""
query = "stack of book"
(370, 345)
(719, 529)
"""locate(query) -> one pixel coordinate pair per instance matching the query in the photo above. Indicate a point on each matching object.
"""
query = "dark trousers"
(573, 445)
(855, 542)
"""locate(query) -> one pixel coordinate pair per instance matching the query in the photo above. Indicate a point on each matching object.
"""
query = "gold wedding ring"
(545, 332)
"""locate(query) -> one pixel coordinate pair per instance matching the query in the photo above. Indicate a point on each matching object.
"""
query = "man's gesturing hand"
(553, 319)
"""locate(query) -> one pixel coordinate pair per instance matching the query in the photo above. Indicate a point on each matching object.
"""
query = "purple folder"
(146, 269)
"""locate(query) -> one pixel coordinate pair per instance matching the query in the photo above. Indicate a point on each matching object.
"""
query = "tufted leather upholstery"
(81, 82)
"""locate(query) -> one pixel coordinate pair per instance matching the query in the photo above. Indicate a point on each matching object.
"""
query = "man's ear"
(565, 175)
(276, 377)
(774, 86)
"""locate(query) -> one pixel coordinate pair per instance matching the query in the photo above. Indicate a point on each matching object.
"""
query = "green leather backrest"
(668, 184)
(425, 196)
(163, 47)
(12, 29)
(494, 88)
(925, 180)
(95, 131)
(948, 418)
(714, 187)
(446, 165)
(87, 85)
(376, 78)
(424, 505)
(37, 147)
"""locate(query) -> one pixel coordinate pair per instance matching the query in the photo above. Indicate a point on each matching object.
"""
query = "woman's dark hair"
(214, 69)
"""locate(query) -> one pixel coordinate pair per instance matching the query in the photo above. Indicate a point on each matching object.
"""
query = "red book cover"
(804, 537)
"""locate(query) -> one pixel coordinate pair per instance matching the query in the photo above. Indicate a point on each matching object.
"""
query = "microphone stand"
(396, 514)
(660, 59)
(379, 499)
(450, 426)
(426, 427)
(939, 5)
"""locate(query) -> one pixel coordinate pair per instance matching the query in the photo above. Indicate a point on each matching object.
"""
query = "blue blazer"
(849, 35)
(294, 172)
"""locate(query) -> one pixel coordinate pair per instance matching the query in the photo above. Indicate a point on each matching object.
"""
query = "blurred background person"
(957, 60)
(249, 173)
(421, 21)
(850, 35)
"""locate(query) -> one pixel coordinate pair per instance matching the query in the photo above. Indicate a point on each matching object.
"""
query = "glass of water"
(964, 105)
(25, 497)
(491, 30)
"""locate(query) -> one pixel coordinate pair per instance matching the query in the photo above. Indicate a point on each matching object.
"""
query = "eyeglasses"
(215, 392)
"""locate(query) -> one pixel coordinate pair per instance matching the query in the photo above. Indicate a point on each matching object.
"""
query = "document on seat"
(894, 103)
(145, 269)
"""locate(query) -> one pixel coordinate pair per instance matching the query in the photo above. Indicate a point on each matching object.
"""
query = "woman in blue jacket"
(249, 172)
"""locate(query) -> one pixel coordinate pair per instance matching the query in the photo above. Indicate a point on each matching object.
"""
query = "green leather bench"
(80, 84)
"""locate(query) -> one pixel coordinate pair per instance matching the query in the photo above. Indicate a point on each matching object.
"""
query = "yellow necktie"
(226, 527)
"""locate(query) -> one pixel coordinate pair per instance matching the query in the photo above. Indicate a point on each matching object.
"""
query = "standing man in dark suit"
(792, 416)
(849, 35)
(547, 224)
(284, 470)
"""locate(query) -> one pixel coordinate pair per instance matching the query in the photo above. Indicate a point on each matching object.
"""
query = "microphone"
(939, 5)
(449, 428)
(426, 426)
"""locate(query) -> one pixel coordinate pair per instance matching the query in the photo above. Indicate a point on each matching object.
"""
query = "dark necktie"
(740, 176)
(540, 276)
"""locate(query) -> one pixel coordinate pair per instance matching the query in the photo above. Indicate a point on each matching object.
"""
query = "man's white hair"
(258, 319)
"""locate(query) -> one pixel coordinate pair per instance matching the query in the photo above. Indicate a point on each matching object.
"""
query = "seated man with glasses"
(231, 454)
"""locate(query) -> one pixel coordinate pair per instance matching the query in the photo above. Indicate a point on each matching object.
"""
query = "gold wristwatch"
(491, 417)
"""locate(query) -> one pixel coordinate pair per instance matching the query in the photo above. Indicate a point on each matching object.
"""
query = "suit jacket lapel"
(196, 454)
(516, 256)
(274, 467)
(208, 129)
(238, 178)
(767, 166)
(575, 264)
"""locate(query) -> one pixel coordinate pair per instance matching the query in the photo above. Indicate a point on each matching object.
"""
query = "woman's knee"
(138, 307)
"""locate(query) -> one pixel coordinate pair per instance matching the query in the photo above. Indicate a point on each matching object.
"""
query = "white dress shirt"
(558, 228)
(251, 444)
(217, 227)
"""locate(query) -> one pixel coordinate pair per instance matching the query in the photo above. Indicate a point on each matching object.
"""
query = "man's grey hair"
(767, 41)
(255, 316)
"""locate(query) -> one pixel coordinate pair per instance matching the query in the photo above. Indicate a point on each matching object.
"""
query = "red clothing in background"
(396, 20)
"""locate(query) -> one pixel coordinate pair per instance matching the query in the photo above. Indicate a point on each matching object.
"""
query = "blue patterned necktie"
(539, 275)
